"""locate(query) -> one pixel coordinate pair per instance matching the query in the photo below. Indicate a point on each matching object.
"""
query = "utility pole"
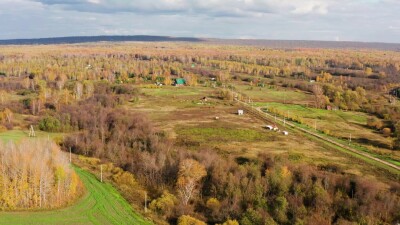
(233, 96)
(145, 202)
(31, 132)
(70, 155)
(284, 121)
(101, 173)
(349, 139)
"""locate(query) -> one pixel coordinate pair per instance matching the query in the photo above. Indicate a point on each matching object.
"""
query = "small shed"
(180, 81)
(285, 132)
(240, 112)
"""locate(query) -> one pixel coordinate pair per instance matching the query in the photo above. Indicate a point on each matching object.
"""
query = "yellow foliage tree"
(189, 175)
(213, 204)
(231, 222)
(164, 205)
(188, 220)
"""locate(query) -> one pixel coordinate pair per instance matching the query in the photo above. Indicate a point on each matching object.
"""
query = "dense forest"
(83, 94)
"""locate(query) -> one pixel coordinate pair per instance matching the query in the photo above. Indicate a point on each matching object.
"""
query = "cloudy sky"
(334, 20)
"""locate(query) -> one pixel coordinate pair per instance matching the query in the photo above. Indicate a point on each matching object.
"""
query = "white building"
(269, 127)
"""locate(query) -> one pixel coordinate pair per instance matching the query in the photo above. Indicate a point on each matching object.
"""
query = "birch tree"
(189, 175)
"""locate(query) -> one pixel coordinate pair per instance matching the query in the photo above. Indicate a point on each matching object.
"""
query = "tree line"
(35, 174)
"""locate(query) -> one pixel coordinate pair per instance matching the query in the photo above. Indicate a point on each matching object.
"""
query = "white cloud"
(94, 1)
(354, 20)
(204, 7)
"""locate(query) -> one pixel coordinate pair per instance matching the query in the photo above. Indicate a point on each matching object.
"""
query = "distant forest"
(285, 44)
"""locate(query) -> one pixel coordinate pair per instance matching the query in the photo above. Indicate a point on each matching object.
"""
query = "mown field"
(273, 94)
(16, 135)
(171, 91)
(102, 204)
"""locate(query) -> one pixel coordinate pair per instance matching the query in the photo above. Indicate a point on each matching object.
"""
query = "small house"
(285, 132)
(240, 112)
(180, 82)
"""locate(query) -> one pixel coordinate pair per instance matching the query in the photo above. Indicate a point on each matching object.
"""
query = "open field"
(338, 123)
(321, 114)
(273, 94)
(16, 135)
(101, 205)
(391, 165)
(193, 126)
(172, 91)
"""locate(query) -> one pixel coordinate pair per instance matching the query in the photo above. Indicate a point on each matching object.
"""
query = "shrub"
(164, 205)
(125, 89)
(231, 222)
(252, 217)
(386, 132)
(213, 204)
(50, 124)
(374, 123)
(188, 220)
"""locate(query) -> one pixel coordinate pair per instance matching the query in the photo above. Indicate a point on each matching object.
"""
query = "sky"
(331, 20)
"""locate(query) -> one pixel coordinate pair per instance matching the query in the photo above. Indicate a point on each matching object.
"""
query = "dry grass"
(193, 126)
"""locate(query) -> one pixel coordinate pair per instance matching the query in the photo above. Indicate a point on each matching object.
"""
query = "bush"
(252, 217)
(25, 92)
(374, 123)
(50, 124)
(213, 204)
(231, 222)
(125, 89)
(386, 132)
(188, 220)
(164, 205)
